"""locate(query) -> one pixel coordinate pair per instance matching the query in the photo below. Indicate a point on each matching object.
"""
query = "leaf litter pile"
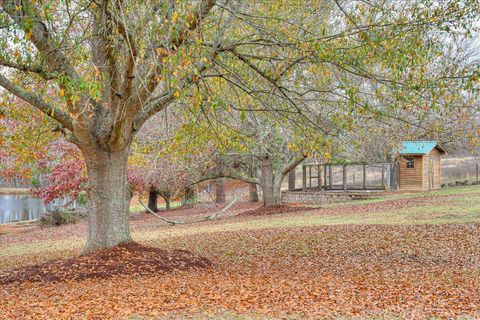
(317, 272)
(131, 259)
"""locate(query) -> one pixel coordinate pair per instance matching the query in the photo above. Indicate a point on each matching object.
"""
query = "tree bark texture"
(109, 198)
(253, 192)
(153, 199)
(220, 196)
(270, 183)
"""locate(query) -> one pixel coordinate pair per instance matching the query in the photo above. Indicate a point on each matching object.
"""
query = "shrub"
(59, 216)
(82, 199)
(34, 182)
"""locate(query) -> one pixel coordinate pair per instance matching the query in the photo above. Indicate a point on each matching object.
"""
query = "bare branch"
(213, 216)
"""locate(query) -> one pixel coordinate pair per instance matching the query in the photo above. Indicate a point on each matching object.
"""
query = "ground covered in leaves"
(279, 209)
(130, 259)
(404, 257)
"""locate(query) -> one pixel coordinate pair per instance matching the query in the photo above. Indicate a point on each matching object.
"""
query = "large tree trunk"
(108, 199)
(153, 199)
(271, 187)
(272, 195)
(220, 190)
(253, 192)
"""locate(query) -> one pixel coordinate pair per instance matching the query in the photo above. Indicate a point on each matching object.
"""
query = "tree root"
(213, 216)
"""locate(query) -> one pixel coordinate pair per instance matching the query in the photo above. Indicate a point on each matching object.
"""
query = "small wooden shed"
(419, 165)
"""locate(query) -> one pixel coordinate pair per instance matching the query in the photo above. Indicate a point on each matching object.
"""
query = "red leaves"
(68, 172)
(167, 176)
(66, 179)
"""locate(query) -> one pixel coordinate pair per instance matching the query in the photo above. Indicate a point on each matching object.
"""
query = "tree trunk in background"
(270, 187)
(219, 182)
(220, 190)
(109, 198)
(153, 199)
(253, 192)
(168, 200)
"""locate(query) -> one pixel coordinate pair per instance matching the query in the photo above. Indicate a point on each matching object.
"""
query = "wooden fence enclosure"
(353, 176)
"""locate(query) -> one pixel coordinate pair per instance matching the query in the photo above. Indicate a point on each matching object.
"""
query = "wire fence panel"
(376, 176)
(460, 169)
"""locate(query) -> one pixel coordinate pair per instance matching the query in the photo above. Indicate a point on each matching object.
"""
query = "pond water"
(21, 208)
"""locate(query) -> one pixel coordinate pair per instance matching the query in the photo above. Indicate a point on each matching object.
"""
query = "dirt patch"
(280, 209)
(123, 260)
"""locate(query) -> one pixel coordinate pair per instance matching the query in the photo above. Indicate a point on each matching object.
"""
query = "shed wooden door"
(410, 178)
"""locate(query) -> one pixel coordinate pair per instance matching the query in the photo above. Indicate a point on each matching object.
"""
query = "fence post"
(319, 177)
(476, 170)
(291, 179)
(310, 177)
(325, 176)
(383, 176)
(344, 177)
(364, 177)
(388, 177)
(330, 176)
(304, 178)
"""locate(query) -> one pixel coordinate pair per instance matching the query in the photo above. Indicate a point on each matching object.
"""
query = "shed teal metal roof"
(419, 147)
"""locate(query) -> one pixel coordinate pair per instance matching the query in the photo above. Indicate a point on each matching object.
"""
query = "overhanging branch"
(290, 166)
(179, 37)
(28, 68)
(64, 118)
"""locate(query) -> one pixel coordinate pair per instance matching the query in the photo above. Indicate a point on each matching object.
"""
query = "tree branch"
(159, 103)
(180, 36)
(210, 217)
(132, 53)
(293, 164)
(40, 36)
(64, 118)
(26, 68)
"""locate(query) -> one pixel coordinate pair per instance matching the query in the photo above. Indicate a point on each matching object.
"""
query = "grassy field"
(413, 256)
